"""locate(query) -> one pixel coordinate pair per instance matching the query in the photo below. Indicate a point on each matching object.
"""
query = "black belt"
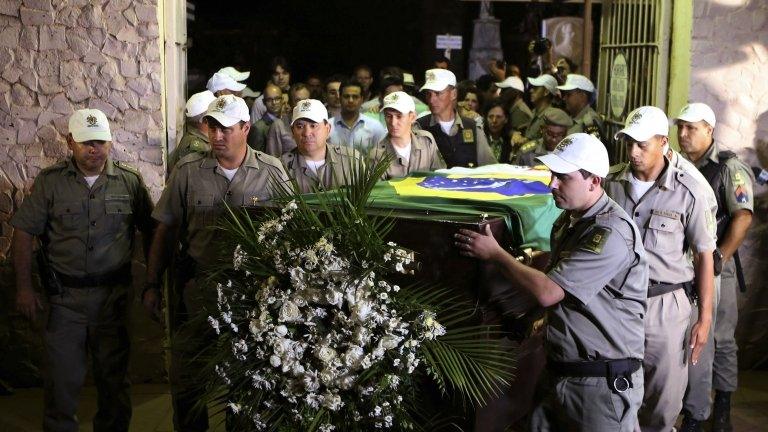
(618, 373)
(656, 288)
(115, 277)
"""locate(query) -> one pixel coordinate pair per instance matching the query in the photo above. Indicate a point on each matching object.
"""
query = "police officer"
(543, 93)
(578, 93)
(191, 203)
(512, 90)
(553, 128)
(410, 150)
(461, 140)
(315, 164)
(195, 138)
(732, 182)
(85, 211)
(595, 290)
(670, 209)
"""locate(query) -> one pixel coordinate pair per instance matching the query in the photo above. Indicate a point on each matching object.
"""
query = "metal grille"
(640, 31)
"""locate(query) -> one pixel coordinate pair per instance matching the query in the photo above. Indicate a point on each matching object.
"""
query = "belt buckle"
(620, 384)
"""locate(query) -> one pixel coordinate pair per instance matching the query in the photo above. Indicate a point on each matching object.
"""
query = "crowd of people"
(641, 287)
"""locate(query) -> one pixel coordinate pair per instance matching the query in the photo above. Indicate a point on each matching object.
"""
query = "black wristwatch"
(717, 258)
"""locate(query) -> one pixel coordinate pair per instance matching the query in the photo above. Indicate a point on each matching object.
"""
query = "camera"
(540, 46)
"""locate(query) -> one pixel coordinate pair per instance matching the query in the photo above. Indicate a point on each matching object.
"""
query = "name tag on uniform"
(468, 135)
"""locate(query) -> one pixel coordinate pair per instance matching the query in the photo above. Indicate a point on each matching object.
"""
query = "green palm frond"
(473, 367)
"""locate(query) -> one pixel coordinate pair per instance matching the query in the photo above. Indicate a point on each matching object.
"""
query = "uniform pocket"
(204, 209)
(69, 214)
(118, 211)
(665, 233)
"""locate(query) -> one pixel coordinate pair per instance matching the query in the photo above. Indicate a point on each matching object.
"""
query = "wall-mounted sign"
(618, 85)
(448, 42)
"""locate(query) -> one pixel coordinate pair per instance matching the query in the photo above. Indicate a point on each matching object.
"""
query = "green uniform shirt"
(257, 136)
(599, 261)
(519, 116)
(737, 179)
(193, 141)
(587, 121)
(673, 215)
(195, 195)
(334, 173)
(533, 129)
(424, 155)
(86, 230)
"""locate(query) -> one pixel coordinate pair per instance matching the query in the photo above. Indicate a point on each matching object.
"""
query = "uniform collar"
(665, 179)
(456, 120)
(109, 167)
(709, 155)
(597, 208)
(330, 156)
(584, 111)
(416, 146)
(250, 159)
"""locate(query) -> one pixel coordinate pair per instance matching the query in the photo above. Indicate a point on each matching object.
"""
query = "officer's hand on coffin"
(482, 246)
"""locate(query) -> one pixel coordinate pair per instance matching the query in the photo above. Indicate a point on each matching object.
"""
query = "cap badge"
(563, 144)
(430, 76)
(221, 103)
(305, 106)
(91, 120)
(636, 118)
(393, 97)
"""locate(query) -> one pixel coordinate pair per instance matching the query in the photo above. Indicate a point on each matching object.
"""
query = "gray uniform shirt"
(600, 263)
(87, 230)
(280, 138)
(197, 190)
(519, 116)
(424, 155)
(672, 216)
(587, 121)
(334, 173)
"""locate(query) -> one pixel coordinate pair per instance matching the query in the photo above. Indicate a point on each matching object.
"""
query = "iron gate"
(638, 31)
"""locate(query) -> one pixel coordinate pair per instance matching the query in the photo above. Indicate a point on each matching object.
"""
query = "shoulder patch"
(127, 167)
(468, 135)
(595, 241)
(529, 146)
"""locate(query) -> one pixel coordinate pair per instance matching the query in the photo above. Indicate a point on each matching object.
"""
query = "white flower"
(325, 354)
(274, 360)
(238, 257)
(334, 298)
(214, 323)
(332, 401)
(326, 427)
(390, 342)
(361, 310)
(281, 330)
(289, 312)
(234, 407)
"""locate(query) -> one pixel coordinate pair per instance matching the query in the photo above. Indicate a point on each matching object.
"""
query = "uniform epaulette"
(688, 181)
(127, 167)
(57, 166)
(529, 146)
(426, 134)
(195, 156)
(268, 159)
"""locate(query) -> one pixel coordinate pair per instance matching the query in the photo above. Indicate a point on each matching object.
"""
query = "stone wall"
(729, 71)
(57, 56)
(62, 55)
